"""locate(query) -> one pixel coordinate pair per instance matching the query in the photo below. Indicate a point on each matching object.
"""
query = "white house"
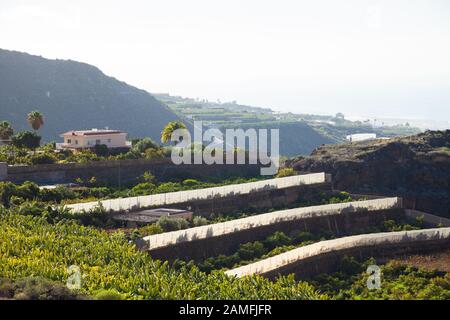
(83, 139)
(361, 137)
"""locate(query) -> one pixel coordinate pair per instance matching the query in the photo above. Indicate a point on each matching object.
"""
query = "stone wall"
(222, 238)
(124, 171)
(324, 256)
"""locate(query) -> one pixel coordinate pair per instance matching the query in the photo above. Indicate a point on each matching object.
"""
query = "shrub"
(302, 236)
(97, 192)
(168, 187)
(35, 288)
(350, 266)
(190, 182)
(101, 150)
(277, 251)
(91, 182)
(15, 201)
(251, 250)
(150, 229)
(7, 190)
(199, 221)
(172, 224)
(28, 190)
(94, 217)
(57, 194)
(341, 197)
(148, 177)
(143, 189)
(43, 158)
(389, 225)
(154, 154)
(419, 221)
(83, 156)
(143, 144)
(26, 139)
(108, 294)
(219, 262)
(132, 154)
(286, 172)
(277, 239)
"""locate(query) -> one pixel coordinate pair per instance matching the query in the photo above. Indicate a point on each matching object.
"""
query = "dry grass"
(433, 261)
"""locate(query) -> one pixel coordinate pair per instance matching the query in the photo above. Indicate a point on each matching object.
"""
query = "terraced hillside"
(260, 252)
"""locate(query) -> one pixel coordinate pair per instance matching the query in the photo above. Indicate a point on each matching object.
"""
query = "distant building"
(84, 139)
(361, 137)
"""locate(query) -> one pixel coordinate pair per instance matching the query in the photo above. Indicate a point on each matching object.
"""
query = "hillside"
(74, 95)
(296, 137)
(299, 133)
(416, 168)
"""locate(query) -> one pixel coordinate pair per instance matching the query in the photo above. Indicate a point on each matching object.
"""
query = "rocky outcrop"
(416, 168)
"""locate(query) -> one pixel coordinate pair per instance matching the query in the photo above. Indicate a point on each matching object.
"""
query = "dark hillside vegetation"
(74, 95)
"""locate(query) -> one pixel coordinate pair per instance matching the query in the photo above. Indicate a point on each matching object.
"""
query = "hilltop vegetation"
(74, 95)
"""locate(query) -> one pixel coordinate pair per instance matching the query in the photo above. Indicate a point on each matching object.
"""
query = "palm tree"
(166, 134)
(6, 131)
(35, 119)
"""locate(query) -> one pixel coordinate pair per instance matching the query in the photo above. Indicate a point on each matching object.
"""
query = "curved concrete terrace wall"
(261, 220)
(171, 198)
(323, 256)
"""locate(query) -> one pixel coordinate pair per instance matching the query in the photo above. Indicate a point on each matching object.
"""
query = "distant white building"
(83, 139)
(361, 137)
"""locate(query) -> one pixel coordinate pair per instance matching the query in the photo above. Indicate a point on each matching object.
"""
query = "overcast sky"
(360, 57)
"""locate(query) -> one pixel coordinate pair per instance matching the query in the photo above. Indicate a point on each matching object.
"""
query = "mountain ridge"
(74, 95)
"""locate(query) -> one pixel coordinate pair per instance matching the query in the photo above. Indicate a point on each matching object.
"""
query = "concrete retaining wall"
(3, 171)
(124, 171)
(428, 219)
(258, 201)
(324, 256)
(201, 242)
(183, 197)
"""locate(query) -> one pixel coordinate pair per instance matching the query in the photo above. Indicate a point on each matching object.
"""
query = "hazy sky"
(364, 58)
